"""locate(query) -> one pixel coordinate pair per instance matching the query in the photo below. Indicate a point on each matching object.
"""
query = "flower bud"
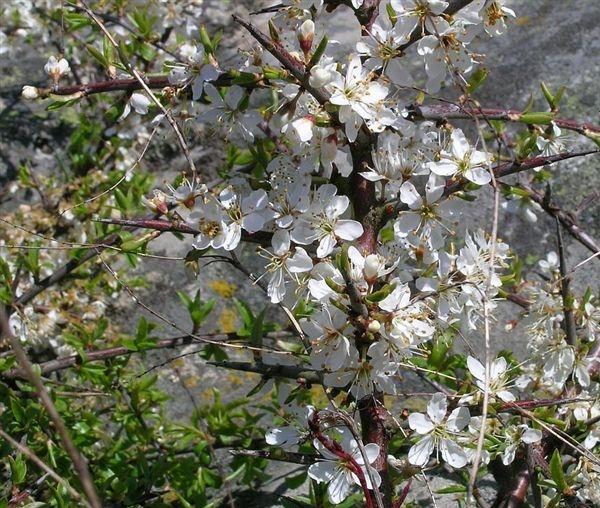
(329, 148)
(30, 92)
(372, 266)
(319, 76)
(140, 103)
(374, 326)
(306, 34)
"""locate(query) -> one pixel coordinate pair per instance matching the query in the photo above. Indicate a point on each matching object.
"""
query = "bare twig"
(30, 454)
(260, 237)
(569, 322)
(278, 455)
(78, 460)
(464, 112)
(62, 272)
(273, 371)
(134, 72)
(565, 219)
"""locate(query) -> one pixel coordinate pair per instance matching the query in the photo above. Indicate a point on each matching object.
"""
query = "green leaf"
(537, 118)
(205, 40)
(257, 329)
(61, 104)
(452, 489)
(556, 471)
(316, 56)
(377, 296)
(294, 482)
(477, 79)
(17, 410)
(97, 55)
(18, 469)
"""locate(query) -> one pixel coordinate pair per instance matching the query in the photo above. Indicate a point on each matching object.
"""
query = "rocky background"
(555, 42)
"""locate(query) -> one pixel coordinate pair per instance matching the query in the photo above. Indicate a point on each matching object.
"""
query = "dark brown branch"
(167, 226)
(510, 168)
(374, 419)
(458, 112)
(431, 112)
(101, 355)
(288, 372)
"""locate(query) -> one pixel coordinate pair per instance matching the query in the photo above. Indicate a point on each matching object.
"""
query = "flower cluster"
(354, 200)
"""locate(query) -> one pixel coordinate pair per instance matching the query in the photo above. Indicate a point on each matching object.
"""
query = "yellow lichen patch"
(318, 397)
(228, 321)
(223, 288)
(191, 381)
(523, 20)
(178, 363)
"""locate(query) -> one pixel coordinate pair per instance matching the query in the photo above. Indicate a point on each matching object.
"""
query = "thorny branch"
(565, 218)
(416, 111)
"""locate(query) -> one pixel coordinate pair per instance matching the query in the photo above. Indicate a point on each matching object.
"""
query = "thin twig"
(30, 454)
(278, 455)
(569, 323)
(565, 219)
(78, 460)
(463, 112)
(135, 73)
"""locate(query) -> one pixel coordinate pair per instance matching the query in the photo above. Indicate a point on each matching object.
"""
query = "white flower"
(391, 162)
(550, 265)
(327, 330)
(365, 376)
(551, 144)
(494, 15)
(339, 473)
(427, 217)
(226, 112)
(56, 68)
(438, 431)
(288, 436)
(194, 70)
(210, 219)
(248, 212)
(446, 49)
(322, 223)
(497, 381)
(284, 261)
(515, 435)
(462, 160)
(140, 104)
(523, 206)
(412, 13)
(381, 45)
(359, 97)
(558, 366)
